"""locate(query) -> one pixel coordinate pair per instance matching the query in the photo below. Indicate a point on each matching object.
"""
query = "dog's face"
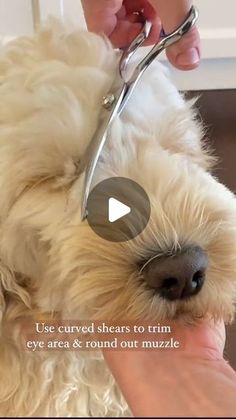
(183, 264)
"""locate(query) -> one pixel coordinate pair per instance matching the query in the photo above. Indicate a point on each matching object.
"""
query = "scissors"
(115, 102)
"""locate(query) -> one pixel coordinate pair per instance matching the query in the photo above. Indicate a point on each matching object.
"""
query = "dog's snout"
(179, 276)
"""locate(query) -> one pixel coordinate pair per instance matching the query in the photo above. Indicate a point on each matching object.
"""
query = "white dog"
(54, 266)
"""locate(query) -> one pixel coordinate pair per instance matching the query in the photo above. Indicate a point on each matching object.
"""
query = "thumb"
(185, 54)
(207, 339)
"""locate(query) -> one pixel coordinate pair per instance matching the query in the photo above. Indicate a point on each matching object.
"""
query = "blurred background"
(215, 80)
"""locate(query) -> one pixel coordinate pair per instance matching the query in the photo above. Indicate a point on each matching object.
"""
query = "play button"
(118, 209)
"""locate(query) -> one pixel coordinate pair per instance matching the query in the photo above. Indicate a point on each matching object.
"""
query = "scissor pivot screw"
(108, 100)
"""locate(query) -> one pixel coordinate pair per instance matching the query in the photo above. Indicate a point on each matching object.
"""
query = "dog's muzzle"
(178, 276)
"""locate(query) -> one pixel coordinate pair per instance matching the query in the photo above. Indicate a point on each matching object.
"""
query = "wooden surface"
(218, 111)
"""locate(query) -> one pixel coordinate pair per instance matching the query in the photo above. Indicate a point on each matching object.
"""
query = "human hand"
(122, 20)
(186, 382)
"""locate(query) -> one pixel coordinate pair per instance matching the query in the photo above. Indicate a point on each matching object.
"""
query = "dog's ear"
(51, 93)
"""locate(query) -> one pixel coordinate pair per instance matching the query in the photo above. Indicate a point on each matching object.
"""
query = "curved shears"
(115, 102)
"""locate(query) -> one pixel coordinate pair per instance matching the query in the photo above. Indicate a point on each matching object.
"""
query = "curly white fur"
(51, 264)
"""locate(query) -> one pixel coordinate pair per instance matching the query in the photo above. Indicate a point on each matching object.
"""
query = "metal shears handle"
(165, 42)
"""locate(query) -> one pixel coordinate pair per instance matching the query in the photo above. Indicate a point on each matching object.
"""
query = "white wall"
(216, 13)
(67, 9)
(15, 18)
(217, 23)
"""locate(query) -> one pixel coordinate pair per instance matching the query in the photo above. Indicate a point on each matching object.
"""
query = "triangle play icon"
(117, 210)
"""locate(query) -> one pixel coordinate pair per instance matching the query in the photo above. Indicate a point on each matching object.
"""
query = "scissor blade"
(96, 145)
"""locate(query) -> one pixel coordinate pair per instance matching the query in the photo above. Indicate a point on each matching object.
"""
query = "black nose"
(178, 276)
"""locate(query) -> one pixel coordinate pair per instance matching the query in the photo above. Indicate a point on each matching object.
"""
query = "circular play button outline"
(118, 209)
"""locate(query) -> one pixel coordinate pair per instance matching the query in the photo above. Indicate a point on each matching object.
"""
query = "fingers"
(100, 15)
(127, 29)
(185, 54)
(124, 33)
(130, 21)
(142, 6)
(219, 334)
(121, 20)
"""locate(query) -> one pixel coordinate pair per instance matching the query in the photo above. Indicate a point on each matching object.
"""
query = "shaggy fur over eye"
(54, 266)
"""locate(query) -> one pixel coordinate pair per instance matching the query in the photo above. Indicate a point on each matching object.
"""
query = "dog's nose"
(179, 276)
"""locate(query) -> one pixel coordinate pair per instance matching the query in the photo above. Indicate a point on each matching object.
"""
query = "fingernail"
(189, 57)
